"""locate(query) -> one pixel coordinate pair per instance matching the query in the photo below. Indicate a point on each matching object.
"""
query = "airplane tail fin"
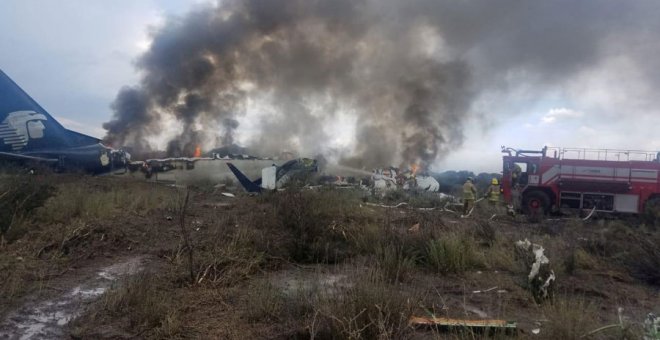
(26, 126)
(249, 185)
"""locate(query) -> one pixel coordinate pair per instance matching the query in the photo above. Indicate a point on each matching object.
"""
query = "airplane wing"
(245, 182)
(19, 157)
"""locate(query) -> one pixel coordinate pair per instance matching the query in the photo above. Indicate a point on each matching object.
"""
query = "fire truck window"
(519, 174)
(533, 168)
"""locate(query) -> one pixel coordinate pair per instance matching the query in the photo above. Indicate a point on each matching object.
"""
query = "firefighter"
(515, 174)
(493, 193)
(469, 194)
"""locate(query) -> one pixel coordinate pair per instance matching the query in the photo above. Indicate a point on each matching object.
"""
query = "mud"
(46, 319)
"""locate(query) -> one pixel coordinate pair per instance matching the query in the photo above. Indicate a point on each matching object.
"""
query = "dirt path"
(45, 319)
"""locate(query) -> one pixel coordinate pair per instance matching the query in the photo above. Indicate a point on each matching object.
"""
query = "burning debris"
(394, 178)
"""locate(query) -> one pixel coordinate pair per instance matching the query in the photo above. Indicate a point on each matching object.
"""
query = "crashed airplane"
(392, 178)
(275, 177)
(30, 135)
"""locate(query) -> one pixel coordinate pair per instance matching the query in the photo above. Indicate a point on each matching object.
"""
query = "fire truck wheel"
(536, 202)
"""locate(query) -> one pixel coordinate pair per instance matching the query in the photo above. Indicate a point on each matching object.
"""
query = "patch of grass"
(371, 309)
(20, 195)
(578, 258)
(315, 223)
(452, 254)
(394, 264)
(226, 262)
(500, 256)
(485, 234)
(643, 260)
(569, 318)
(142, 303)
(74, 200)
(264, 302)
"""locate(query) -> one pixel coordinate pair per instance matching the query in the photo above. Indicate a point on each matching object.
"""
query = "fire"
(198, 151)
(414, 168)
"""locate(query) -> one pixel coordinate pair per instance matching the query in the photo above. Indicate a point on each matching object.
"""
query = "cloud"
(560, 113)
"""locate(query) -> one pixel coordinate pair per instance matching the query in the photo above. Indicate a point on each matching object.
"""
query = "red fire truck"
(551, 179)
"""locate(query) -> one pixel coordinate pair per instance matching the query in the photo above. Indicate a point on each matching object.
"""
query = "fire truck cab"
(551, 179)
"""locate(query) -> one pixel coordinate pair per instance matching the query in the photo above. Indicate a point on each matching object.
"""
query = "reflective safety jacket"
(469, 191)
(493, 193)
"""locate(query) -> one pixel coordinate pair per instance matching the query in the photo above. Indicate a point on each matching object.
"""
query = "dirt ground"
(324, 264)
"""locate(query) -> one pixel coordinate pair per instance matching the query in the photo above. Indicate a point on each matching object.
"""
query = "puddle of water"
(45, 319)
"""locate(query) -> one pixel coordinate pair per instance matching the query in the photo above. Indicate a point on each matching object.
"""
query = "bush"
(643, 260)
(20, 195)
(453, 254)
(371, 309)
(393, 263)
(314, 224)
(569, 318)
(141, 301)
(102, 201)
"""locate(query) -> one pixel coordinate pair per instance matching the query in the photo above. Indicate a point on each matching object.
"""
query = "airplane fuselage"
(94, 158)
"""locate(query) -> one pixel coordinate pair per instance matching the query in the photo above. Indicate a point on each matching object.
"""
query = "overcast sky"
(74, 56)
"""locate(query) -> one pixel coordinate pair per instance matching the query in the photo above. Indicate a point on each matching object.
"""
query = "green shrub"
(452, 254)
(393, 263)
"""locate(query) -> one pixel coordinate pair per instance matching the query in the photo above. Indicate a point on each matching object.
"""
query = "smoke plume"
(408, 71)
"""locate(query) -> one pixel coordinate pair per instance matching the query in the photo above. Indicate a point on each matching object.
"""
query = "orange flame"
(198, 151)
(414, 168)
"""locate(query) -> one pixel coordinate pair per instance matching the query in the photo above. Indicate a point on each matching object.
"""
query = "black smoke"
(410, 71)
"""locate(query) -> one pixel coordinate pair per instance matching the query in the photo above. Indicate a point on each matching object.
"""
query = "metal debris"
(417, 321)
(652, 327)
(484, 291)
(540, 277)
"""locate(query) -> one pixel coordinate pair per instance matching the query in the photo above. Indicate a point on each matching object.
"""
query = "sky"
(74, 56)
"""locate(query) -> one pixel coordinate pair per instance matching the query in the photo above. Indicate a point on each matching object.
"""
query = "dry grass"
(370, 309)
(453, 253)
(106, 200)
(569, 318)
(142, 304)
(20, 195)
(62, 219)
(236, 248)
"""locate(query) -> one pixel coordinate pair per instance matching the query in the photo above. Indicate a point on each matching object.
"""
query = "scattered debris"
(414, 228)
(387, 206)
(590, 214)
(651, 327)
(541, 278)
(620, 324)
(393, 178)
(417, 321)
(228, 194)
(536, 331)
(484, 291)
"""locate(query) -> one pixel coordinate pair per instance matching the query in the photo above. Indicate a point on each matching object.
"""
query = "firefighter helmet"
(494, 181)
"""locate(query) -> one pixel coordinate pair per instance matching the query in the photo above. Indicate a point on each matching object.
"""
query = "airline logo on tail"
(21, 126)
